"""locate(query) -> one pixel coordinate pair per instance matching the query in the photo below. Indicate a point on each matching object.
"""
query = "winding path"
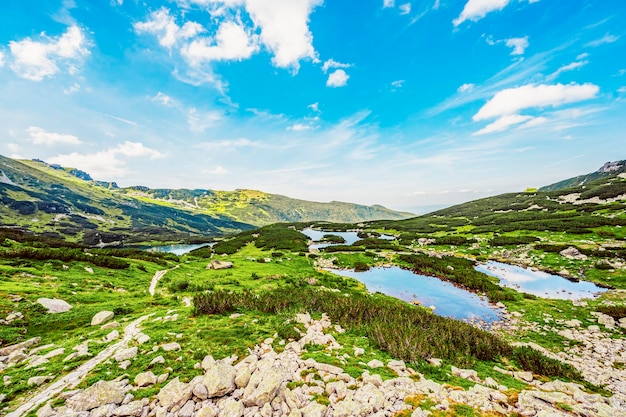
(155, 279)
(72, 379)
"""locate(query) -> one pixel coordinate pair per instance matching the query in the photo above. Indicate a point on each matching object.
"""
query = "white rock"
(54, 305)
(125, 354)
(142, 338)
(145, 379)
(99, 394)
(114, 334)
(375, 363)
(158, 360)
(168, 347)
(219, 380)
(102, 317)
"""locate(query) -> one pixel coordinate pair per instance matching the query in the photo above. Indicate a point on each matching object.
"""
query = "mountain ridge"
(68, 203)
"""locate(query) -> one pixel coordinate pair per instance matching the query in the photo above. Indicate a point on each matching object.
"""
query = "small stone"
(125, 364)
(114, 334)
(125, 354)
(102, 317)
(145, 379)
(142, 338)
(38, 380)
(158, 360)
(375, 363)
(359, 351)
(110, 325)
(168, 347)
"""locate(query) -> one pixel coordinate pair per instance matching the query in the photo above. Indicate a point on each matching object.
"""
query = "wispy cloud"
(568, 67)
(608, 38)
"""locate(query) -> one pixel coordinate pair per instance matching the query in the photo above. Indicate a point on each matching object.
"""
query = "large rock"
(215, 264)
(54, 305)
(175, 392)
(263, 386)
(219, 380)
(99, 394)
(102, 317)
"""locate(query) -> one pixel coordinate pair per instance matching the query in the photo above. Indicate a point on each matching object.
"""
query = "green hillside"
(68, 203)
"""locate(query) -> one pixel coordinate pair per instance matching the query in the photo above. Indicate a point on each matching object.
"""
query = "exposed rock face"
(102, 317)
(219, 380)
(54, 305)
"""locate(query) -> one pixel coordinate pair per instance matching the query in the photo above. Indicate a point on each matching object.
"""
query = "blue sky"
(409, 104)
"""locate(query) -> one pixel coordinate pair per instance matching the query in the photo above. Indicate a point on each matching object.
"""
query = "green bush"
(361, 266)
(534, 361)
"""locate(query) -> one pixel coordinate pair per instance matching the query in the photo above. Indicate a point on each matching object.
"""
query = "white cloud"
(218, 170)
(397, 84)
(608, 38)
(622, 90)
(164, 27)
(388, 3)
(518, 45)
(36, 60)
(299, 127)
(199, 121)
(475, 10)
(136, 149)
(405, 8)
(314, 106)
(338, 78)
(228, 145)
(331, 63)
(582, 56)
(72, 89)
(163, 99)
(565, 68)
(511, 100)
(40, 137)
(502, 123)
(1, 59)
(466, 87)
(231, 43)
(108, 164)
(284, 29)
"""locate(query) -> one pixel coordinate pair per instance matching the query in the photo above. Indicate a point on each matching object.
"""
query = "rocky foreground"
(270, 383)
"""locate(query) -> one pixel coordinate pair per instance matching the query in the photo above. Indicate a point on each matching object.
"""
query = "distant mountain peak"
(612, 167)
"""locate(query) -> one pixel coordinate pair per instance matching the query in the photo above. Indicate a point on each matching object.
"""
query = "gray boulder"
(216, 264)
(54, 305)
(175, 392)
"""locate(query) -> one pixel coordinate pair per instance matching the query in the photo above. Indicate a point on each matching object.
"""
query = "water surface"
(179, 249)
(448, 300)
(539, 283)
(349, 237)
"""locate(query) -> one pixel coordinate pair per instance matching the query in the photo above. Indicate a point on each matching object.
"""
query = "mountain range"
(68, 203)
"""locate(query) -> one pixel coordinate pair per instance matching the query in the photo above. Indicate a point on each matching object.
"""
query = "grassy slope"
(54, 201)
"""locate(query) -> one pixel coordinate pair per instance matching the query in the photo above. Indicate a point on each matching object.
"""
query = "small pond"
(447, 299)
(180, 249)
(539, 283)
(350, 237)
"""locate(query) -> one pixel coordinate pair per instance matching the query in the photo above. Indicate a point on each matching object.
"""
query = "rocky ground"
(275, 380)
